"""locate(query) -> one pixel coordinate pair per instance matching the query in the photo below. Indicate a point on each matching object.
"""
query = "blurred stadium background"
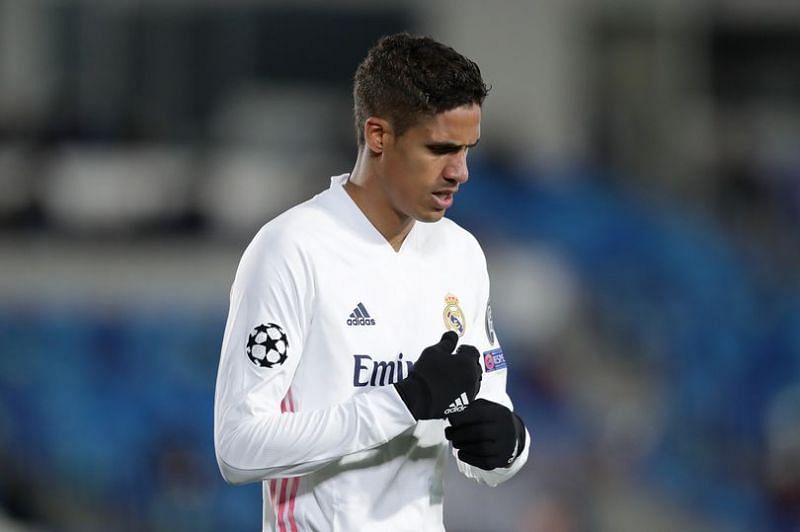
(637, 190)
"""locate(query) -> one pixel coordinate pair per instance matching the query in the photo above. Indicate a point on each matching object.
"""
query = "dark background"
(637, 191)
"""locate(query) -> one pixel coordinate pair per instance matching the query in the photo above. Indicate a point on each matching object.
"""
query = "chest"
(372, 318)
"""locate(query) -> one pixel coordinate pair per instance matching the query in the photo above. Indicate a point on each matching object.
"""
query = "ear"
(375, 130)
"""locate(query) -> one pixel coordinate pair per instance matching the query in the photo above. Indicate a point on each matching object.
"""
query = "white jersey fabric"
(324, 317)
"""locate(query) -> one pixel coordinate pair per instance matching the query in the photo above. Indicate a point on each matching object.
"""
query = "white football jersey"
(324, 317)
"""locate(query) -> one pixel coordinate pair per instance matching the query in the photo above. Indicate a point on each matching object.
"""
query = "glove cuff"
(415, 394)
(519, 432)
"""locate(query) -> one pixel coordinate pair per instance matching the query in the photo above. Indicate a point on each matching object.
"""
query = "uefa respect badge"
(494, 360)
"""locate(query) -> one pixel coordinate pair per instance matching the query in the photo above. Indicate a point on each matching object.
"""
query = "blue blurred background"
(637, 190)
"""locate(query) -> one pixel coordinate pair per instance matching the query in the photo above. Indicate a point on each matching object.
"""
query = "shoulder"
(284, 243)
(294, 230)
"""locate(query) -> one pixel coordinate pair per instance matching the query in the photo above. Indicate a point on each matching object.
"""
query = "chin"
(430, 216)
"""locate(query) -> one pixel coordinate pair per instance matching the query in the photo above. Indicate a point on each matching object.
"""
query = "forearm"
(253, 448)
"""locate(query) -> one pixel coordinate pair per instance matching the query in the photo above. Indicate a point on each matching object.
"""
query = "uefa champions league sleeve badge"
(489, 324)
(454, 316)
(267, 345)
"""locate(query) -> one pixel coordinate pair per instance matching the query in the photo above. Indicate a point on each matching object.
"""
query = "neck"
(364, 188)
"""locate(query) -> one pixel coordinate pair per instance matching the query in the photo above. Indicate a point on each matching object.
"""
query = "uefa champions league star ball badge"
(454, 316)
(267, 345)
(489, 324)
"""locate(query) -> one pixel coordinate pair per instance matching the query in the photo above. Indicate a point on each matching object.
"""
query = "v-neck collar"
(364, 223)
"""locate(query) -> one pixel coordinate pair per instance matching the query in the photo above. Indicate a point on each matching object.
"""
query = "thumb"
(448, 341)
(469, 350)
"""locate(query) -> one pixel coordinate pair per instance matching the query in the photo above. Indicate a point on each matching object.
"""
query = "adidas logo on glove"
(459, 405)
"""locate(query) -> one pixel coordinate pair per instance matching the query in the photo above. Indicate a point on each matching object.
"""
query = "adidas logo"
(360, 316)
(459, 405)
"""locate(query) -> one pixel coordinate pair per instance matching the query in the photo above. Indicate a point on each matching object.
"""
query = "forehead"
(461, 125)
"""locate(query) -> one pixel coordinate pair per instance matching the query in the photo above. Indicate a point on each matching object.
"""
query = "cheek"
(421, 175)
(411, 174)
(423, 170)
(411, 177)
(406, 165)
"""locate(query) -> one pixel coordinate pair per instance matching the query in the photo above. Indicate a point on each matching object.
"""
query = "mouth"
(443, 199)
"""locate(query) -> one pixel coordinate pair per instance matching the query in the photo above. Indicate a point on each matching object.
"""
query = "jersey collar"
(353, 212)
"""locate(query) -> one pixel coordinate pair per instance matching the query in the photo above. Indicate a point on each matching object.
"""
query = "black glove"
(487, 435)
(439, 377)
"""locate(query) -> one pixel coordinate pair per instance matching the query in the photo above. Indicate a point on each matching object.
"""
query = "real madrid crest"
(454, 316)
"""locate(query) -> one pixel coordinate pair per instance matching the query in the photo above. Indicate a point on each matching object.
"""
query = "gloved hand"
(439, 377)
(487, 435)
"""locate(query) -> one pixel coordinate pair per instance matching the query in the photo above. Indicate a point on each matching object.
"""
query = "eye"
(443, 149)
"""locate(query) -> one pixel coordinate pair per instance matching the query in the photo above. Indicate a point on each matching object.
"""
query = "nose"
(456, 169)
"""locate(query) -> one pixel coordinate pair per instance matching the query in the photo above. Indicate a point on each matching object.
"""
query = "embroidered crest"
(454, 316)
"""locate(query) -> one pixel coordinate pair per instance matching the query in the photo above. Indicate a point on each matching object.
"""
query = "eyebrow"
(449, 146)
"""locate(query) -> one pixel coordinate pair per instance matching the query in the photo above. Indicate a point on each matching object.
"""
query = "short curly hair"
(406, 77)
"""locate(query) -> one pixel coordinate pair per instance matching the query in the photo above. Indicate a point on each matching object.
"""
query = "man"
(326, 390)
